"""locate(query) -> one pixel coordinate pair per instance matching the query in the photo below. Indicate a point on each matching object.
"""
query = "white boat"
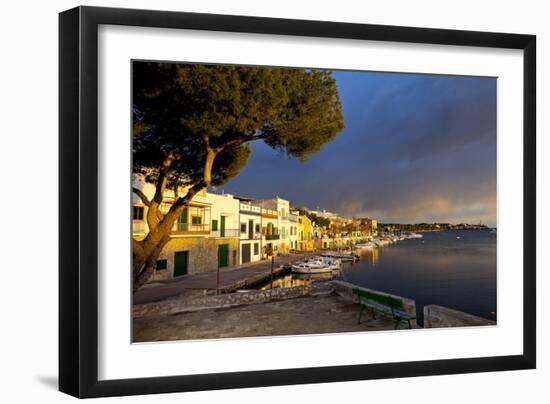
(310, 268)
(320, 260)
(343, 257)
(316, 265)
(368, 244)
(380, 242)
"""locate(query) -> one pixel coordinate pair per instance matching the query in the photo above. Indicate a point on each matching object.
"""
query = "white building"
(250, 231)
(270, 231)
(293, 224)
(282, 208)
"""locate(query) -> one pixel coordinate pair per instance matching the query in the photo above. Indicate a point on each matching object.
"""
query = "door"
(223, 255)
(222, 226)
(246, 253)
(181, 259)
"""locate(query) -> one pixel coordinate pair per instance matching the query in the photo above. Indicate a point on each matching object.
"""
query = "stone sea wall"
(438, 316)
(188, 303)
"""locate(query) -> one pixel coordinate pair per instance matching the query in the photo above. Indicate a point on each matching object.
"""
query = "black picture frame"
(78, 194)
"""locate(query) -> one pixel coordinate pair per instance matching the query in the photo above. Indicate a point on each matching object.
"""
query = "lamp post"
(218, 275)
(272, 265)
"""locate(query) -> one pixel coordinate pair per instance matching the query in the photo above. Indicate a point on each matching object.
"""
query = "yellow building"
(373, 225)
(305, 233)
(204, 238)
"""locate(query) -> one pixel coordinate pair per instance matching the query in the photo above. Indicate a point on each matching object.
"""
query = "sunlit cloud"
(416, 148)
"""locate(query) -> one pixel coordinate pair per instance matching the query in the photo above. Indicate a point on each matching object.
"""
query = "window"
(162, 264)
(195, 219)
(214, 225)
(137, 212)
(243, 227)
(256, 248)
(183, 216)
(257, 227)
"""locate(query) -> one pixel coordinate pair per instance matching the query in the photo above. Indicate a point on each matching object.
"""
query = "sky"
(416, 148)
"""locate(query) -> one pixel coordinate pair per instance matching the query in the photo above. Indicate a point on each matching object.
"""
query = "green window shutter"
(183, 217)
(162, 264)
(214, 225)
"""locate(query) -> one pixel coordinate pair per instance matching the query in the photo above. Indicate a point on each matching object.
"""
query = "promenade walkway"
(230, 278)
(306, 315)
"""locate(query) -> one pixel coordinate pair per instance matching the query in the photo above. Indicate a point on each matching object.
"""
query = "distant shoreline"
(436, 230)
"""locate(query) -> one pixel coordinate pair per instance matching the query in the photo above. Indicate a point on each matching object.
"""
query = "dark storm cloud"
(415, 148)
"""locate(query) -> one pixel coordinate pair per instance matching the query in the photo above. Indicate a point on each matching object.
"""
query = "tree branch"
(240, 140)
(176, 186)
(142, 196)
(191, 192)
(163, 174)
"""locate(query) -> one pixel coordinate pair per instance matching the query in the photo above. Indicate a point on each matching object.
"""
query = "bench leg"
(360, 314)
(410, 326)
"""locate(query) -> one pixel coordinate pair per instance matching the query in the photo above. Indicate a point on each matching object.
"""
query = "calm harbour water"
(456, 269)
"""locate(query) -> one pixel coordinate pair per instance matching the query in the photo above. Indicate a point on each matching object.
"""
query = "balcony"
(272, 237)
(225, 233)
(190, 228)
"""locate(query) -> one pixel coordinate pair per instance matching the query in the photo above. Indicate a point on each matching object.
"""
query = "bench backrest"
(385, 300)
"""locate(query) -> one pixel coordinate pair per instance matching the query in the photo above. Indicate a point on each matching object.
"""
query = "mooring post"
(218, 275)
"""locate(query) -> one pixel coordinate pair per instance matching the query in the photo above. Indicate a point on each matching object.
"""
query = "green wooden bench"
(384, 304)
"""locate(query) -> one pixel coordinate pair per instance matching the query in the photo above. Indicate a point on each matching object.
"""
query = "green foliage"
(176, 106)
(229, 162)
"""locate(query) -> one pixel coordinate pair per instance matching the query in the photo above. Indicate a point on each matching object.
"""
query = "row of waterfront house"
(221, 230)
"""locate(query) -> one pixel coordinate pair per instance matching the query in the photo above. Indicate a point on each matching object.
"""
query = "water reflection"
(370, 255)
(456, 269)
(292, 280)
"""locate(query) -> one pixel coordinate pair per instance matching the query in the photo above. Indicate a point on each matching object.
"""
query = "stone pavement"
(305, 315)
(229, 278)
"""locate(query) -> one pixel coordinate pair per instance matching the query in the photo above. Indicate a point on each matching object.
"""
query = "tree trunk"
(147, 267)
(145, 253)
(210, 156)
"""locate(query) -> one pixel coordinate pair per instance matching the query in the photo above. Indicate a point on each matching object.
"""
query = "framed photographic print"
(251, 201)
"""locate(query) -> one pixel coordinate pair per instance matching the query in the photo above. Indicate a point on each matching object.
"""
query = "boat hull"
(311, 270)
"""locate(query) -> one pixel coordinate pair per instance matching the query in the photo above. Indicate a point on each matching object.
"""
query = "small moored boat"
(316, 265)
(344, 257)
